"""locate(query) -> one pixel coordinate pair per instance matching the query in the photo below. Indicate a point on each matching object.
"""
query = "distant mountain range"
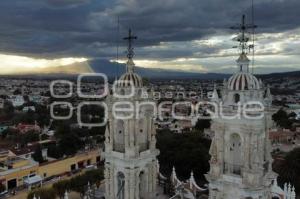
(259, 70)
(114, 69)
(292, 74)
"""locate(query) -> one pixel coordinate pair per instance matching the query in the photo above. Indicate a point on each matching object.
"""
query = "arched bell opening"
(234, 163)
(121, 186)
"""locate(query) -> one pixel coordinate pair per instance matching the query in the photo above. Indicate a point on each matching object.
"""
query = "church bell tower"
(241, 163)
(130, 151)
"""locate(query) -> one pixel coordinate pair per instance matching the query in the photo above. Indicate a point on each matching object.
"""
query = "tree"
(97, 130)
(95, 176)
(280, 114)
(22, 139)
(61, 187)
(38, 155)
(79, 183)
(202, 124)
(43, 193)
(69, 144)
(281, 118)
(68, 140)
(289, 169)
(62, 129)
(44, 115)
(54, 152)
(8, 109)
(186, 152)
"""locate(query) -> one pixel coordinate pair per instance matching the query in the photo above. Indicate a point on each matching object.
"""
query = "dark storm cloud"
(67, 2)
(274, 16)
(58, 28)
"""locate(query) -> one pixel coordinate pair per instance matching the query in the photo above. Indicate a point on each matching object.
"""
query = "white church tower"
(241, 163)
(130, 151)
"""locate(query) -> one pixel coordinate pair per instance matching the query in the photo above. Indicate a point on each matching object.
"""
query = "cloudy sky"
(191, 35)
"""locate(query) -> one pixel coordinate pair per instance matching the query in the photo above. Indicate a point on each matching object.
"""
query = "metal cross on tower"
(130, 39)
(242, 38)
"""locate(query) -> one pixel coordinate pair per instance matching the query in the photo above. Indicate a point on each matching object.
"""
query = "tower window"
(120, 132)
(236, 98)
(122, 92)
(141, 130)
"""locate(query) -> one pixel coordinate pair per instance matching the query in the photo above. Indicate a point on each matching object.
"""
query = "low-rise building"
(282, 136)
(16, 171)
(70, 164)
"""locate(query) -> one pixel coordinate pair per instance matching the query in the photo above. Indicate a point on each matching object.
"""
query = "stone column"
(131, 133)
(247, 151)
(111, 133)
(149, 124)
(127, 184)
(113, 186)
(153, 175)
(137, 184)
(126, 135)
(132, 184)
(107, 181)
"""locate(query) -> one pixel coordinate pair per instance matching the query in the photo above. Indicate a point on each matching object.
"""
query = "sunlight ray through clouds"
(19, 64)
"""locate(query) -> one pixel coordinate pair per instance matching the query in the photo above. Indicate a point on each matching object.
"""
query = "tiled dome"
(130, 79)
(243, 81)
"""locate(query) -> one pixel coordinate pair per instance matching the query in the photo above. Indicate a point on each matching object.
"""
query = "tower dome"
(243, 81)
(130, 79)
